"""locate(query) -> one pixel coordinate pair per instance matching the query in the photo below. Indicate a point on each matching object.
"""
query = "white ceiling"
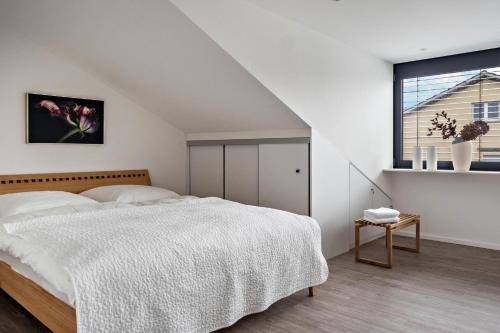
(397, 30)
(152, 53)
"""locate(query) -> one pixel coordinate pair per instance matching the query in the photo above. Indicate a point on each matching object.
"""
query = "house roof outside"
(483, 75)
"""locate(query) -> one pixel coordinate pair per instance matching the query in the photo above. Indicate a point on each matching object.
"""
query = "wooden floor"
(446, 288)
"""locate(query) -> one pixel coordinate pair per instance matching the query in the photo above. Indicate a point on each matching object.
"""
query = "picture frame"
(61, 119)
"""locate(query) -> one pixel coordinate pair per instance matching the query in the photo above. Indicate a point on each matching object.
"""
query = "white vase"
(461, 155)
(431, 158)
(417, 158)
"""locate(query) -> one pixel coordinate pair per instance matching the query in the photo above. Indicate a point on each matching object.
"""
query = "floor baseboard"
(491, 246)
(451, 240)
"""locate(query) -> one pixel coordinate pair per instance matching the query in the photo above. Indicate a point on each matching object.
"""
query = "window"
(466, 87)
(487, 111)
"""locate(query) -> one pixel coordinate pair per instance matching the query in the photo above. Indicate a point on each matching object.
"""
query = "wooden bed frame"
(75, 182)
(51, 311)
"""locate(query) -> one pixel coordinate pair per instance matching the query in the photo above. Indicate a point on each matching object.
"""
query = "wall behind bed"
(134, 137)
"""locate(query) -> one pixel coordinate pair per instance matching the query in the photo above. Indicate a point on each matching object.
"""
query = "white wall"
(330, 194)
(456, 208)
(343, 93)
(134, 137)
(154, 53)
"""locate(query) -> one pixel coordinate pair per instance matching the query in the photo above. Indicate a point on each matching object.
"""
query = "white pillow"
(129, 193)
(68, 209)
(25, 202)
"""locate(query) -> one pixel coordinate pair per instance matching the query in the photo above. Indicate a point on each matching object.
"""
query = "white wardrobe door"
(284, 177)
(242, 174)
(206, 171)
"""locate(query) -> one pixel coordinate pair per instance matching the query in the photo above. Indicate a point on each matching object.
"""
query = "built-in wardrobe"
(269, 172)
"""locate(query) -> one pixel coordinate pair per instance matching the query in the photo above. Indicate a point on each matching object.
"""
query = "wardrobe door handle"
(297, 170)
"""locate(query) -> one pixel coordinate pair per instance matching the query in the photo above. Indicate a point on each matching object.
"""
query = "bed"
(58, 313)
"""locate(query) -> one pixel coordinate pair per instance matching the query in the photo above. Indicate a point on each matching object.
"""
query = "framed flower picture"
(56, 119)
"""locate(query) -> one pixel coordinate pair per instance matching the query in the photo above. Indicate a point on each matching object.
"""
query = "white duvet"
(187, 266)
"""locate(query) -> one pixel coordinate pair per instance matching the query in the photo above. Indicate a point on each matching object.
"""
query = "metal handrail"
(371, 181)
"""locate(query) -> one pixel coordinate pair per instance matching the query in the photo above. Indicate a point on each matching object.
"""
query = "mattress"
(28, 273)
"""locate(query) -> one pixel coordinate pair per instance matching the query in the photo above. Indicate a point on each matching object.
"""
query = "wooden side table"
(405, 220)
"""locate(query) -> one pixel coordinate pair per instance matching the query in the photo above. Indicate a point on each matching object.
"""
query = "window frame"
(480, 107)
(485, 111)
(436, 66)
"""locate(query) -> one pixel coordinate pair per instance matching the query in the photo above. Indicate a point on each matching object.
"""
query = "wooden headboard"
(74, 182)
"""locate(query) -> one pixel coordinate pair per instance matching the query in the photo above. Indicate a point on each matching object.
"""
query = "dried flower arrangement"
(448, 128)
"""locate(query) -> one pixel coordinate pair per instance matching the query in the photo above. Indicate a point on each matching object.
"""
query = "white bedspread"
(191, 266)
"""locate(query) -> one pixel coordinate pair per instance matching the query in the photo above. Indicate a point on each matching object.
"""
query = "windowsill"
(442, 172)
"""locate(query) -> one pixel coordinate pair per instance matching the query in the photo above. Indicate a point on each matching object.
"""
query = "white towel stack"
(381, 215)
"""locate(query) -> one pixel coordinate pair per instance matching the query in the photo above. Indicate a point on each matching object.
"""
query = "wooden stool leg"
(312, 291)
(357, 250)
(417, 236)
(356, 242)
(388, 237)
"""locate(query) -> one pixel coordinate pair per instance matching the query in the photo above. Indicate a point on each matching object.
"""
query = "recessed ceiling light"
(423, 49)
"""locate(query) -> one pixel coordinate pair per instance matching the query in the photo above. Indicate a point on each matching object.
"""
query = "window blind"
(465, 96)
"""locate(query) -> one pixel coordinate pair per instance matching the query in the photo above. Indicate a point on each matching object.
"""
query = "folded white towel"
(383, 220)
(381, 213)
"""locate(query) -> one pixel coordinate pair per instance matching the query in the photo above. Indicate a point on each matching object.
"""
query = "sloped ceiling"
(151, 52)
(397, 30)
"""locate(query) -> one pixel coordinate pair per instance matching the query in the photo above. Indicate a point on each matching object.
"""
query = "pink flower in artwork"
(81, 118)
(83, 110)
(51, 107)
